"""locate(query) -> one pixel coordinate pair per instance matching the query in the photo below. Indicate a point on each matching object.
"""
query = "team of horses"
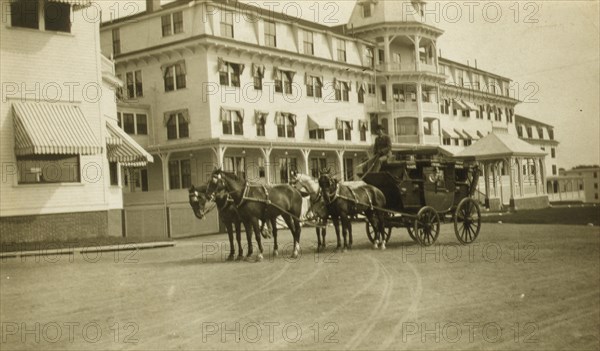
(255, 206)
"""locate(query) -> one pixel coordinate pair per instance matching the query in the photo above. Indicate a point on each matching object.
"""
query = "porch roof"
(494, 146)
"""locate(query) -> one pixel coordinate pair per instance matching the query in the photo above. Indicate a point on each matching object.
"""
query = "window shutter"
(223, 115)
(275, 73)
(292, 119)
(221, 65)
(240, 114)
(338, 124)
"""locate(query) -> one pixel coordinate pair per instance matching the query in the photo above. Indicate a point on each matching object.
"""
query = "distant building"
(590, 182)
(541, 135)
(61, 151)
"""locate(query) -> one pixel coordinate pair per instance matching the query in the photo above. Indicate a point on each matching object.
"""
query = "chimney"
(152, 5)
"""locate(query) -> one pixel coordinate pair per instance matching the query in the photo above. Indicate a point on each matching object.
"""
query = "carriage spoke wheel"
(371, 233)
(427, 226)
(467, 221)
(411, 233)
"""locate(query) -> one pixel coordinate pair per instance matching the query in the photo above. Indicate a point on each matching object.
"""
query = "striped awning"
(81, 3)
(471, 134)
(471, 106)
(43, 128)
(461, 134)
(321, 122)
(126, 151)
(459, 104)
(449, 133)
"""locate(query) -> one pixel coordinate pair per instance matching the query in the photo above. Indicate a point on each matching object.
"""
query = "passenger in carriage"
(382, 150)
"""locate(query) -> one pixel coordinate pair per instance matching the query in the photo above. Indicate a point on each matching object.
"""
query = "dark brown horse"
(255, 201)
(227, 213)
(346, 200)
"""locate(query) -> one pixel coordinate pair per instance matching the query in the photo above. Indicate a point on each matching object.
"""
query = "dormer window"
(366, 10)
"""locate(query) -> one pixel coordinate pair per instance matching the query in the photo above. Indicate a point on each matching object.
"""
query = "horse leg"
(273, 222)
(249, 229)
(345, 223)
(323, 234)
(294, 230)
(318, 231)
(258, 239)
(349, 234)
(373, 224)
(229, 226)
(298, 231)
(336, 226)
(238, 237)
(381, 228)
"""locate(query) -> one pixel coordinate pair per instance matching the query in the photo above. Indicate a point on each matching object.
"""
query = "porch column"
(536, 176)
(543, 173)
(267, 156)
(219, 152)
(520, 175)
(417, 41)
(386, 51)
(340, 155)
(164, 159)
(305, 154)
(420, 134)
(511, 178)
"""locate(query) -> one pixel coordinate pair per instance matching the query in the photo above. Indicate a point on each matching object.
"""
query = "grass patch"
(554, 215)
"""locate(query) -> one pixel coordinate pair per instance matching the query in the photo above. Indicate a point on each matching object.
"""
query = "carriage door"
(436, 194)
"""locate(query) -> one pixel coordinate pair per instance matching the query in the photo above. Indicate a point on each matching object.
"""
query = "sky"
(550, 49)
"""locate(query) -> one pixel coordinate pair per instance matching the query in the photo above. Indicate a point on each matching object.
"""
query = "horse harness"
(354, 200)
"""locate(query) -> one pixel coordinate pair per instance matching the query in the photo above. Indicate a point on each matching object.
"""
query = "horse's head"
(198, 200)
(327, 183)
(215, 183)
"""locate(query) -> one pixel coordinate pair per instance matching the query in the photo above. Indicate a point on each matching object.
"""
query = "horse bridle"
(196, 198)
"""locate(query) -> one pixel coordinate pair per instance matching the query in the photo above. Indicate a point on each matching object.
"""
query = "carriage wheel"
(467, 221)
(411, 233)
(427, 226)
(371, 232)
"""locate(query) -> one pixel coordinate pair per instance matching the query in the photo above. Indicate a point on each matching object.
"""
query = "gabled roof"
(494, 146)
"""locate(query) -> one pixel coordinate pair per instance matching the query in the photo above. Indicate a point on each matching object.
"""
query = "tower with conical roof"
(407, 74)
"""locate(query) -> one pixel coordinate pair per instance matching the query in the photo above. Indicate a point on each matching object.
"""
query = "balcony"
(405, 105)
(405, 139)
(404, 67)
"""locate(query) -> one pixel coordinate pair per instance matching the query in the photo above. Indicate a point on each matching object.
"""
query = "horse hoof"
(382, 247)
(248, 258)
(344, 250)
(375, 245)
(275, 253)
(230, 258)
(240, 258)
(295, 254)
(259, 258)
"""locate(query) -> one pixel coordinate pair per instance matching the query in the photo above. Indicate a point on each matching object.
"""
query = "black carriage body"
(410, 185)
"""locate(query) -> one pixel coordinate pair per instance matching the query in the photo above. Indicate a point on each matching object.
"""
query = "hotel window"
(345, 91)
(363, 128)
(344, 130)
(341, 50)
(235, 165)
(316, 134)
(116, 41)
(113, 171)
(361, 94)
(553, 169)
(135, 124)
(314, 86)
(229, 74)
(26, 13)
(553, 152)
(476, 81)
(283, 81)
(341, 90)
(479, 113)
(551, 134)
(180, 174)
(48, 169)
(445, 107)
(540, 132)
(232, 122)
(499, 114)
(465, 113)
(261, 167)
(286, 125)
(270, 34)
(172, 23)
(227, 24)
(397, 94)
(371, 89)
(447, 141)
(317, 165)
(595, 174)
(370, 56)
(258, 73)
(260, 126)
(174, 76)
(529, 132)
(456, 141)
(520, 131)
(467, 142)
(134, 84)
(309, 47)
(177, 125)
(460, 78)
(366, 7)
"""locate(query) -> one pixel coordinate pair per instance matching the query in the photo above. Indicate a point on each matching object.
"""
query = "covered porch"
(513, 172)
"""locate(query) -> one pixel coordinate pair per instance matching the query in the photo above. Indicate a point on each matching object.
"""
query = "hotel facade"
(221, 83)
